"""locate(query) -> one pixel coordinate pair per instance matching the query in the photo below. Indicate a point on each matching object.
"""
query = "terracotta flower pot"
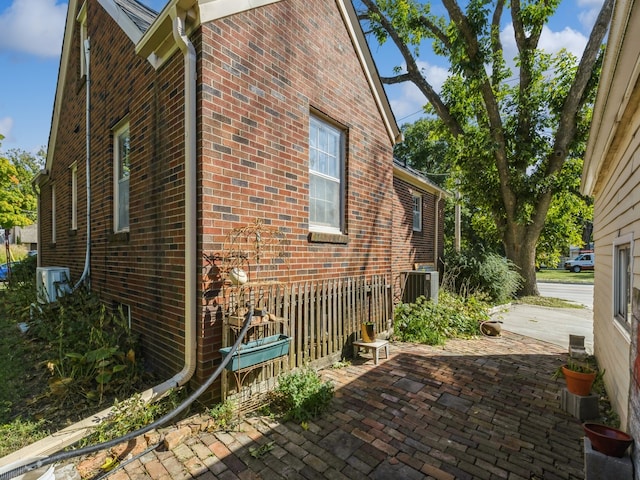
(368, 332)
(578, 383)
(491, 328)
(607, 440)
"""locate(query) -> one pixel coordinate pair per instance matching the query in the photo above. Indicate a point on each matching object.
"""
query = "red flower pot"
(578, 383)
(607, 440)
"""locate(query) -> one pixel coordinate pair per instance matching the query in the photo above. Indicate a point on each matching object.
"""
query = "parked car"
(584, 261)
(4, 271)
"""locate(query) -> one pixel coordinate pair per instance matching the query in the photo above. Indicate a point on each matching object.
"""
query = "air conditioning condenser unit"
(52, 283)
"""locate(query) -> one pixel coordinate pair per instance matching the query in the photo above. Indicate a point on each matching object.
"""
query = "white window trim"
(53, 213)
(82, 25)
(74, 196)
(416, 196)
(621, 240)
(325, 228)
(118, 130)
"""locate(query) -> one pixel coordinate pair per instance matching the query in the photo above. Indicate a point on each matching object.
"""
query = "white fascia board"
(361, 47)
(418, 182)
(619, 75)
(67, 48)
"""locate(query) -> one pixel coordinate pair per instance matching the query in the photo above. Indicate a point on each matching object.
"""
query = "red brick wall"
(143, 269)
(411, 247)
(260, 75)
(263, 72)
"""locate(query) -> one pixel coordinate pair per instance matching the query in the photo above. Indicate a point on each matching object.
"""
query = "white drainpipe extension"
(87, 260)
(190, 192)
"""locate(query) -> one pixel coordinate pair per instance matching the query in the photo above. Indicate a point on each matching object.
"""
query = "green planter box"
(257, 351)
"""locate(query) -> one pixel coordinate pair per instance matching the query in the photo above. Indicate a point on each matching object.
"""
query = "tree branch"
(473, 52)
(413, 72)
(405, 77)
(496, 44)
(575, 98)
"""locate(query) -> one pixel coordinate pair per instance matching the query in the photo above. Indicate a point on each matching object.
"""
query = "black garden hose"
(61, 456)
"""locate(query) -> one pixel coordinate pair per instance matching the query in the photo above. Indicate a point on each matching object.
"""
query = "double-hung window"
(622, 281)
(417, 212)
(82, 24)
(74, 196)
(121, 170)
(53, 213)
(326, 177)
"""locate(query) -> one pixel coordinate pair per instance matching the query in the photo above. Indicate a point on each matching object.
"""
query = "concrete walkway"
(476, 409)
(553, 325)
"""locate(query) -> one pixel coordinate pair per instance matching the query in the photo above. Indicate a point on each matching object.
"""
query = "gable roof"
(416, 178)
(141, 15)
(152, 35)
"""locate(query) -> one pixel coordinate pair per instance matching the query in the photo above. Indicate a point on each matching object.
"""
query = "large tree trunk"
(521, 251)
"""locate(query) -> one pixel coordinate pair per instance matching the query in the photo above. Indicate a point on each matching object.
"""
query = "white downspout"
(437, 231)
(190, 192)
(87, 260)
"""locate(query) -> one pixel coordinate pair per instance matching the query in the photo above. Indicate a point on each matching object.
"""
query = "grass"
(21, 385)
(550, 302)
(564, 276)
(18, 252)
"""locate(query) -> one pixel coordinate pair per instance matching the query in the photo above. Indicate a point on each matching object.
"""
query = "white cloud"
(550, 41)
(407, 100)
(435, 75)
(6, 127)
(33, 26)
(568, 38)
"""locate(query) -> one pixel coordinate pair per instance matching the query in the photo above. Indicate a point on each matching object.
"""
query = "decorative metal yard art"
(254, 270)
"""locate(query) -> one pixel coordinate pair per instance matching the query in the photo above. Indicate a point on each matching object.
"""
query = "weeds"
(223, 414)
(433, 323)
(75, 357)
(130, 415)
(20, 433)
(302, 395)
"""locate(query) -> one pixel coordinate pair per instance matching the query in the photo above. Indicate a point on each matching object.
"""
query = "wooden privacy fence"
(322, 318)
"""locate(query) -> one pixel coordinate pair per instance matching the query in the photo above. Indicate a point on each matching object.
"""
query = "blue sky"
(31, 34)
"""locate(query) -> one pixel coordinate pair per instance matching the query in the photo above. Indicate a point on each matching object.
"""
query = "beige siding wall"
(616, 215)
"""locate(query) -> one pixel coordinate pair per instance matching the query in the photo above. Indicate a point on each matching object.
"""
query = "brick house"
(203, 118)
(418, 225)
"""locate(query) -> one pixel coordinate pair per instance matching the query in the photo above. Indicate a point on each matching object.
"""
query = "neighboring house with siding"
(611, 175)
(202, 119)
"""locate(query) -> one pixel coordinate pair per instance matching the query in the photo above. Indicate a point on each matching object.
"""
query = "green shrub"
(482, 274)
(433, 323)
(302, 395)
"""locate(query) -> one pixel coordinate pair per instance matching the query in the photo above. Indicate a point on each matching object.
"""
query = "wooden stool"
(375, 347)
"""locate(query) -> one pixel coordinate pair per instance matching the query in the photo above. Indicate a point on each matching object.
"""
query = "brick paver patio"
(475, 409)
